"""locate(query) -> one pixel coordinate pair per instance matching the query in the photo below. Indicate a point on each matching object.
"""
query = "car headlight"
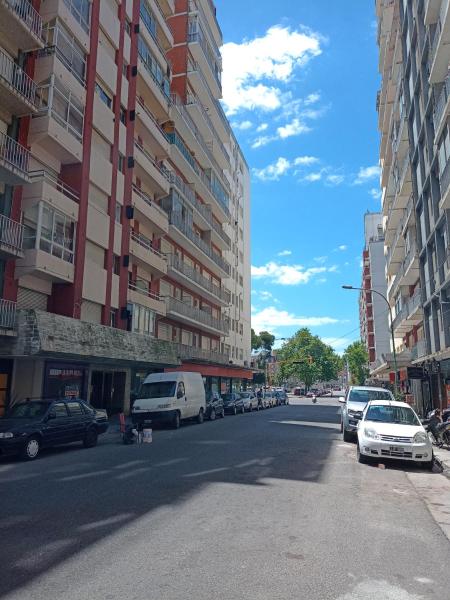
(420, 437)
(6, 434)
(371, 433)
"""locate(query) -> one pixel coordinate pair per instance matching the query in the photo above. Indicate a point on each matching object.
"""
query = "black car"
(30, 426)
(214, 406)
(233, 403)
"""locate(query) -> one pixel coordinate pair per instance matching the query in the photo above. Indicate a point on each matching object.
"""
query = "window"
(104, 97)
(75, 409)
(181, 391)
(123, 115)
(68, 51)
(125, 70)
(59, 410)
(121, 163)
(127, 26)
(116, 264)
(113, 318)
(57, 233)
(143, 320)
(118, 212)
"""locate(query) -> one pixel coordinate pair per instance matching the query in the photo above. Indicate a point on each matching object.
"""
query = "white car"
(390, 429)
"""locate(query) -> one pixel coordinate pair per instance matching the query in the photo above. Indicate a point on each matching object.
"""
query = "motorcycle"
(440, 431)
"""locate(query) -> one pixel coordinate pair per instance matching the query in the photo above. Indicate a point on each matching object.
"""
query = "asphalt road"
(269, 505)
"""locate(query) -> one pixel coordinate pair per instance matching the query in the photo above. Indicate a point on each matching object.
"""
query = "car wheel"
(200, 416)
(212, 415)
(223, 413)
(91, 438)
(31, 449)
(234, 410)
(361, 458)
(346, 435)
(251, 408)
(429, 465)
(242, 409)
(176, 420)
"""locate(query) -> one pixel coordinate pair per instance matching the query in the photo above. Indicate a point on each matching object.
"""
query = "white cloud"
(333, 269)
(375, 193)
(305, 160)
(312, 98)
(296, 127)
(274, 171)
(335, 179)
(366, 174)
(262, 141)
(342, 248)
(243, 125)
(288, 274)
(255, 71)
(285, 253)
(262, 127)
(270, 318)
(311, 177)
(321, 259)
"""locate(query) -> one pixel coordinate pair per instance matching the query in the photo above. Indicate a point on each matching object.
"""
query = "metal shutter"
(30, 299)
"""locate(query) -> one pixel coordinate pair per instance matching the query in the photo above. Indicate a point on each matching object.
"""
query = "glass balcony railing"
(81, 11)
(188, 271)
(56, 101)
(196, 35)
(201, 316)
(154, 69)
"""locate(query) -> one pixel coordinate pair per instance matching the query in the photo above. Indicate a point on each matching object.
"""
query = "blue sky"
(300, 81)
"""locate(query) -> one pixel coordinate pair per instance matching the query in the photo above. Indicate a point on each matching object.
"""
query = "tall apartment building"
(414, 109)
(373, 312)
(124, 200)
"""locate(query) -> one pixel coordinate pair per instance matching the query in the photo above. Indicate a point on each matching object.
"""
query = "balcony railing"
(419, 350)
(7, 314)
(12, 75)
(135, 287)
(14, 154)
(149, 201)
(176, 220)
(160, 167)
(195, 6)
(27, 13)
(191, 99)
(80, 10)
(191, 352)
(196, 35)
(144, 242)
(445, 179)
(153, 68)
(149, 21)
(58, 102)
(54, 182)
(176, 263)
(11, 234)
(177, 306)
(152, 118)
(441, 103)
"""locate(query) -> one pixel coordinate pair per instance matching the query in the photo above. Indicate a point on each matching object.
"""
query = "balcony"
(58, 127)
(404, 188)
(209, 61)
(152, 75)
(193, 353)
(444, 182)
(410, 266)
(17, 90)
(411, 314)
(431, 11)
(11, 238)
(142, 251)
(157, 133)
(8, 311)
(14, 159)
(147, 169)
(439, 54)
(20, 25)
(419, 350)
(442, 109)
(195, 281)
(198, 248)
(137, 294)
(194, 316)
(46, 187)
(152, 23)
(151, 211)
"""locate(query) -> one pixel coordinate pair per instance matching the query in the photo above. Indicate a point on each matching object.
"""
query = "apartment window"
(444, 150)
(118, 213)
(153, 67)
(125, 70)
(56, 235)
(59, 102)
(68, 51)
(116, 264)
(80, 9)
(121, 163)
(123, 115)
(113, 318)
(127, 26)
(104, 97)
(143, 320)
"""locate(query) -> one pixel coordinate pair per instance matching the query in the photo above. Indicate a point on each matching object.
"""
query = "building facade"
(373, 313)
(124, 200)
(414, 110)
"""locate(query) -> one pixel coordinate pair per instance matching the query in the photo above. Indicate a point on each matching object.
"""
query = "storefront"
(65, 380)
(220, 379)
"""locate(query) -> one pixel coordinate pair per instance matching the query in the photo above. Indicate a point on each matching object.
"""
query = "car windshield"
(28, 410)
(367, 395)
(400, 415)
(158, 389)
(245, 395)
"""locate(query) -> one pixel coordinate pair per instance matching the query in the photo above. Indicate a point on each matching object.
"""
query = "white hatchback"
(390, 429)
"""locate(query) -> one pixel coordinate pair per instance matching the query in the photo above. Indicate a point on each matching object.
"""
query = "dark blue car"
(30, 426)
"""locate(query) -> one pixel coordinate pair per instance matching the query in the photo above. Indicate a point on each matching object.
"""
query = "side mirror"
(342, 399)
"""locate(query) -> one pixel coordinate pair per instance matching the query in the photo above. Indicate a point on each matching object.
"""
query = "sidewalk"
(443, 456)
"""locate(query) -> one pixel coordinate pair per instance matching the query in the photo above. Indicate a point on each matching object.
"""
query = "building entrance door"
(108, 390)
(5, 383)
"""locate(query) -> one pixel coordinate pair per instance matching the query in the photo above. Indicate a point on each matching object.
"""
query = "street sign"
(415, 373)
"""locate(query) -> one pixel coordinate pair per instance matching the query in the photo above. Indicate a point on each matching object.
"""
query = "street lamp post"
(351, 287)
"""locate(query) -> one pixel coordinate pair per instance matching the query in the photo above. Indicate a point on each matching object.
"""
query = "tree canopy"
(357, 359)
(263, 341)
(307, 358)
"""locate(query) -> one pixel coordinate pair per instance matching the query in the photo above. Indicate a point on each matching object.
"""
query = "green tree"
(357, 358)
(256, 340)
(267, 340)
(308, 359)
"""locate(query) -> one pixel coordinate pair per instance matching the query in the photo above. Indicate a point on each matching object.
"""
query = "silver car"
(353, 405)
(250, 401)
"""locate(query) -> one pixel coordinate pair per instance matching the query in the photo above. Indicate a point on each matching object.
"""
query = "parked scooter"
(314, 398)
(439, 429)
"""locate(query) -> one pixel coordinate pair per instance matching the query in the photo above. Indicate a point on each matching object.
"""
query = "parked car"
(268, 399)
(35, 424)
(233, 403)
(171, 397)
(214, 406)
(390, 429)
(250, 401)
(282, 397)
(353, 405)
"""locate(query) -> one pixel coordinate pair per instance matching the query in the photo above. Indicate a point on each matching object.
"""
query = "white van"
(171, 397)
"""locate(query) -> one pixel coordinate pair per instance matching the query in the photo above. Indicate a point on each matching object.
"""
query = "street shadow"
(73, 498)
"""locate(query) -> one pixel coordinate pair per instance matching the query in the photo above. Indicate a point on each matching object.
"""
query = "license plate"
(396, 449)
